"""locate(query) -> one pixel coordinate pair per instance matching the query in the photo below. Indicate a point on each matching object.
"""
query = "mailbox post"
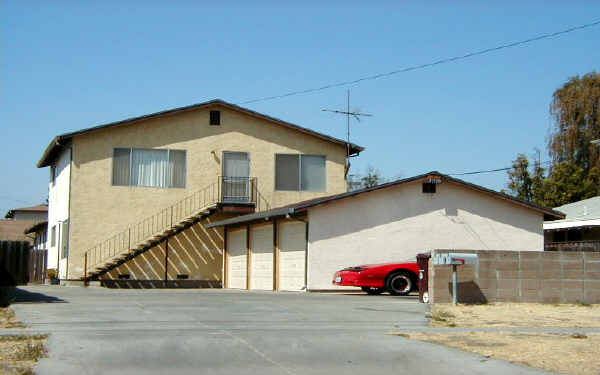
(455, 259)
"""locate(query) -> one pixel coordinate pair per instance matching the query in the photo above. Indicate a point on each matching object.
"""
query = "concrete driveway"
(107, 331)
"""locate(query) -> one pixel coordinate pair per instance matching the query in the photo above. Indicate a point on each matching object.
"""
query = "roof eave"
(263, 215)
(301, 207)
(48, 155)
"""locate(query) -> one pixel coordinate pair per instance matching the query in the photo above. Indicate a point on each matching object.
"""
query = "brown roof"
(56, 144)
(36, 227)
(14, 230)
(38, 208)
(549, 214)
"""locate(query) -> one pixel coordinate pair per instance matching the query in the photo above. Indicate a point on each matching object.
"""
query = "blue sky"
(67, 65)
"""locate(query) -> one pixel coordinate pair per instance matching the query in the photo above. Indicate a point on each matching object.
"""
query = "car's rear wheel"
(399, 283)
(372, 290)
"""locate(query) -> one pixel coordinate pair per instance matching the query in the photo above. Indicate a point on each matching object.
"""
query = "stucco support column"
(275, 257)
(225, 259)
(248, 258)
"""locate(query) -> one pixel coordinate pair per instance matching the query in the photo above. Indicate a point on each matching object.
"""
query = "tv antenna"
(357, 115)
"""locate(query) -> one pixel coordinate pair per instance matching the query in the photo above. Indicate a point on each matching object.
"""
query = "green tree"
(574, 173)
(564, 185)
(371, 177)
(575, 109)
(519, 178)
(526, 182)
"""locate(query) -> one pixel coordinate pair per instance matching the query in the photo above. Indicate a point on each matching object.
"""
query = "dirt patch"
(8, 320)
(569, 354)
(575, 353)
(19, 353)
(516, 315)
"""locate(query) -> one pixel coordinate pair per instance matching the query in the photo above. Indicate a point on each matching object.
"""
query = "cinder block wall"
(520, 276)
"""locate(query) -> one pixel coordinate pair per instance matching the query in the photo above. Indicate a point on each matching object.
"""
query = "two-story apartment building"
(128, 200)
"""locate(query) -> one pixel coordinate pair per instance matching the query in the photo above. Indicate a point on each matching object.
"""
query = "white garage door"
(292, 247)
(261, 264)
(236, 266)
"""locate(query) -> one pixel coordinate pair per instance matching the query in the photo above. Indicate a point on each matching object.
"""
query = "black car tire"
(399, 283)
(372, 290)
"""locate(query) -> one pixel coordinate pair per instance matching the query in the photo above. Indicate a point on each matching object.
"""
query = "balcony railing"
(572, 246)
(238, 189)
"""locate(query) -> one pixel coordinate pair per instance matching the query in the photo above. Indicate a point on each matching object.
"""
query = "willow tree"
(574, 173)
(575, 109)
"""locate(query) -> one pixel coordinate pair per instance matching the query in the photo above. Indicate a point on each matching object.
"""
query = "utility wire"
(490, 170)
(6, 198)
(427, 65)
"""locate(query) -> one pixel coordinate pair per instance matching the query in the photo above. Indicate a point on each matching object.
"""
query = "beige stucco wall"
(100, 210)
(395, 224)
(195, 251)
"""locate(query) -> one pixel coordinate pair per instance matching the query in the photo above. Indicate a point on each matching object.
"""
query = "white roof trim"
(571, 224)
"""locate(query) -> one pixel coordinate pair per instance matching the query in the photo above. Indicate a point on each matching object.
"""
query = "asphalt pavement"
(175, 331)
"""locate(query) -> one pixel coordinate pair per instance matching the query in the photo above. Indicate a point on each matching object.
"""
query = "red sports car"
(396, 278)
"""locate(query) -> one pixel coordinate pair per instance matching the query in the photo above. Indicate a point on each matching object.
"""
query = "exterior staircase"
(140, 237)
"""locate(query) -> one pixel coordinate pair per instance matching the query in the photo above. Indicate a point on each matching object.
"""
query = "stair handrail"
(150, 226)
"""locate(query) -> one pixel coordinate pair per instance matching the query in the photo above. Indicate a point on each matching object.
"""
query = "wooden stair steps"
(144, 245)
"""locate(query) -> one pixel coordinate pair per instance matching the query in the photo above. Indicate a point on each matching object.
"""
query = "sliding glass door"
(236, 177)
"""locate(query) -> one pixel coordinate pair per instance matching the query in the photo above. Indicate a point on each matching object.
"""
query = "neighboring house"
(14, 230)
(303, 244)
(37, 213)
(39, 231)
(578, 231)
(128, 199)
(18, 220)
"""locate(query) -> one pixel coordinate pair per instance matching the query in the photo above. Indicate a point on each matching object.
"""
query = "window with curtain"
(149, 167)
(300, 172)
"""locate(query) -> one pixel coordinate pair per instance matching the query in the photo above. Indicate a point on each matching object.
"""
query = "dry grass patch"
(576, 353)
(516, 315)
(569, 354)
(8, 320)
(19, 354)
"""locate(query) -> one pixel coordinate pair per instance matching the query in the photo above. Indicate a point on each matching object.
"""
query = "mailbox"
(459, 258)
(455, 259)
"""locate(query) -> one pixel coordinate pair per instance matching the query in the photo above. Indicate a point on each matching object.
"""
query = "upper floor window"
(300, 172)
(215, 117)
(149, 167)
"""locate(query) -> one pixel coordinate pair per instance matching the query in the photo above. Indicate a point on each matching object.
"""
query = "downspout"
(306, 260)
(69, 209)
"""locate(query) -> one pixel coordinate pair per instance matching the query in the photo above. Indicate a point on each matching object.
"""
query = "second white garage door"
(237, 261)
(292, 250)
(261, 263)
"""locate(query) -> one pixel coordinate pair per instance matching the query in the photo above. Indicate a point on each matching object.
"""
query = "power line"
(6, 198)
(426, 65)
(490, 170)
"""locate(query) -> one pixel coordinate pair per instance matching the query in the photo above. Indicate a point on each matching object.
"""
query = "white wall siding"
(58, 209)
(395, 224)
(238, 255)
(262, 257)
(292, 252)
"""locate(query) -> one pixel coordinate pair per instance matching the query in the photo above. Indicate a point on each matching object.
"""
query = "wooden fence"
(20, 264)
